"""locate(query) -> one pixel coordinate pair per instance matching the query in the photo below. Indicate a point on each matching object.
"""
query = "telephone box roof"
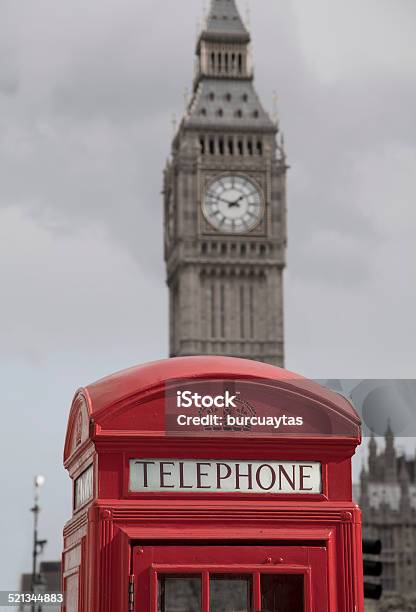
(119, 401)
(140, 380)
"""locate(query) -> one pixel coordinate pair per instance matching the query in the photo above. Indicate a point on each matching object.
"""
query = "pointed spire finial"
(204, 15)
(174, 123)
(224, 19)
(186, 101)
(275, 112)
(248, 15)
(281, 148)
(198, 27)
(389, 435)
(372, 443)
(404, 474)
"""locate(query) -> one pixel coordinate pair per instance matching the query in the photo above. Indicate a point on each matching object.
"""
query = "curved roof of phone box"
(107, 400)
(141, 380)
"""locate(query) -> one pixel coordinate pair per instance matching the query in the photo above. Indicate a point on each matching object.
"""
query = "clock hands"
(223, 200)
(231, 204)
(236, 203)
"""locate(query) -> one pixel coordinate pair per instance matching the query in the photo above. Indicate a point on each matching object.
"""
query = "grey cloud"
(8, 85)
(103, 127)
(9, 78)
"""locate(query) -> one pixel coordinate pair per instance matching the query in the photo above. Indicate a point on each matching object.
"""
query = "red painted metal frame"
(337, 525)
(239, 559)
(105, 530)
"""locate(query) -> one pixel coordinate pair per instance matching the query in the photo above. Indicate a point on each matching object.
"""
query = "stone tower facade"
(388, 504)
(225, 206)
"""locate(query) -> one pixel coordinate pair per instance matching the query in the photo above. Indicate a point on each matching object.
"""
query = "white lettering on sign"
(83, 488)
(186, 399)
(222, 476)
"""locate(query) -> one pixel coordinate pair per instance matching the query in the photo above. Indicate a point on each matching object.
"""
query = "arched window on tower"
(250, 146)
(240, 63)
(219, 62)
(212, 62)
(231, 146)
(226, 63)
(240, 147)
(212, 146)
(259, 147)
(202, 145)
(233, 63)
(221, 146)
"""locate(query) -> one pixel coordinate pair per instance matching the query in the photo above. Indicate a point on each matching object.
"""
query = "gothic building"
(225, 206)
(388, 504)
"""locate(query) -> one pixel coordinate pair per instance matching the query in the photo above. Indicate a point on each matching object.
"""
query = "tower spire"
(224, 19)
(372, 458)
(223, 48)
(390, 455)
(404, 487)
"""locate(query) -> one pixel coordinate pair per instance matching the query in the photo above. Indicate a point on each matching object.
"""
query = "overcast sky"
(87, 93)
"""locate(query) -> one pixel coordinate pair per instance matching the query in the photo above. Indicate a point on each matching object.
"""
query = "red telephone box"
(211, 484)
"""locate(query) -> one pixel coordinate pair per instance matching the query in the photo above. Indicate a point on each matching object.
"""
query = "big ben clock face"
(233, 204)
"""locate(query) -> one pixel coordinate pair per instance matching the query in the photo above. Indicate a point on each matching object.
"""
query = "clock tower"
(225, 206)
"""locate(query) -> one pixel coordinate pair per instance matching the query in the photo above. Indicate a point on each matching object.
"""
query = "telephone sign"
(225, 476)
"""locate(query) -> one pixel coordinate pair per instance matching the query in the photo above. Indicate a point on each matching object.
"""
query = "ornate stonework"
(225, 278)
(388, 503)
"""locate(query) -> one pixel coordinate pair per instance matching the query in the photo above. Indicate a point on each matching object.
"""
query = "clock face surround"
(233, 204)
